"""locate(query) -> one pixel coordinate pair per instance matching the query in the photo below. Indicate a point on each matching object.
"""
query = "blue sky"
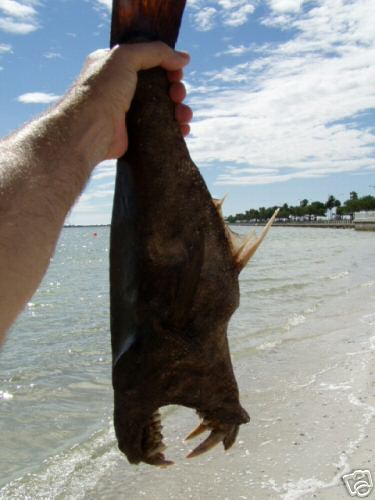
(283, 92)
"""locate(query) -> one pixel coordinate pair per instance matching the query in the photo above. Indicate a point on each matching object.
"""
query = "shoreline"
(369, 226)
(319, 225)
(357, 226)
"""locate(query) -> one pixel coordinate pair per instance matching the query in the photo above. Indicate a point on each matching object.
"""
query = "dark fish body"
(173, 267)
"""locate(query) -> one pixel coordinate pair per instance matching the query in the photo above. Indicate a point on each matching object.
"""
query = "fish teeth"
(156, 426)
(156, 437)
(205, 420)
(220, 432)
(158, 449)
(155, 417)
(153, 442)
(213, 439)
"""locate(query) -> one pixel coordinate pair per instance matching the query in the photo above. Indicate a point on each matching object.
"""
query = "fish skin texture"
(173, 275)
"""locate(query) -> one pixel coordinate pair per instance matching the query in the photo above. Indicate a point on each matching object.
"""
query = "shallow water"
(56, 441)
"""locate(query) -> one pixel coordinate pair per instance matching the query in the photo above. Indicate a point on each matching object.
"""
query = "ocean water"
(306, 297)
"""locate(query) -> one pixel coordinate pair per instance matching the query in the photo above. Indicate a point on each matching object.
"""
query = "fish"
(174, 267)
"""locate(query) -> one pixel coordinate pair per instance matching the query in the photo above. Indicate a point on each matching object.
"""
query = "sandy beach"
(312, 407)
(303, 348)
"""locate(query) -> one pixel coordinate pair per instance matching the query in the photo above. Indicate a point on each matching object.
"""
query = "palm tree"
(331, 202)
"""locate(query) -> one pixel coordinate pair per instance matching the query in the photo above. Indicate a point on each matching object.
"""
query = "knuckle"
(98, 54)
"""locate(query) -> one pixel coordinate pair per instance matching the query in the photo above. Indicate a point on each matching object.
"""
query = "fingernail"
(184, 55)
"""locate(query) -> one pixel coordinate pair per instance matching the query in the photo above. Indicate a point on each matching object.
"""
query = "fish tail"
(146, 20)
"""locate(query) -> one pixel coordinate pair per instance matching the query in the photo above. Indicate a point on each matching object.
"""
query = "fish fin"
(244, 249)
(219, 203)
(145, 20)
(243, 246)
(237, 241)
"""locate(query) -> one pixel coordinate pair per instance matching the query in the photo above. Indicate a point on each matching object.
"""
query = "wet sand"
(312, 404)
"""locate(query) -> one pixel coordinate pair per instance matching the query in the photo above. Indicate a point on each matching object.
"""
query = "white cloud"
(239, 16)
(17, 9)
(106, 170)
(5, 48)
(205, 19)
(286, 5)
(85, 197)
(298, 106)
(206, 14)
(18, 17)
(105, 3)
(52, 55)
(11, 26)
(37, 98)
(238, 73)
(234, 51)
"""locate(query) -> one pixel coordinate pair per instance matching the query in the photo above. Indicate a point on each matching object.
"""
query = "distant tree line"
(306, 209)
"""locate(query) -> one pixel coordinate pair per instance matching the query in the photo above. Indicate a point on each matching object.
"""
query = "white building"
(364, 221)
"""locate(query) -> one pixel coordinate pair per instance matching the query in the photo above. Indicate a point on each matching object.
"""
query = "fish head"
(195, 372)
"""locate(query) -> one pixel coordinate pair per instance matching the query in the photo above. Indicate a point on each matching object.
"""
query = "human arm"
(46, 164)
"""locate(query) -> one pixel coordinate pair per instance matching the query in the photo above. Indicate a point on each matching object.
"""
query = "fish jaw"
(149, 377)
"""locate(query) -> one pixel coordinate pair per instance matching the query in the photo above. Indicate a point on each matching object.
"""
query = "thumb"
(152, 54)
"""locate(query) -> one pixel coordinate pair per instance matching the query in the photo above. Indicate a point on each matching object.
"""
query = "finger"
(183, 113)
(93, 60)
(98, 54)
(175, 76)
(119, 142)
(177, 92)
(185, 129)
(150, 55)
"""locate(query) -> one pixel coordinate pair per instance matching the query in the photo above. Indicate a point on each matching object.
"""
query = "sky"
(283, 92)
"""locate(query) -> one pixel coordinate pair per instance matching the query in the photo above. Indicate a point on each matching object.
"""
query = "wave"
(69, 474)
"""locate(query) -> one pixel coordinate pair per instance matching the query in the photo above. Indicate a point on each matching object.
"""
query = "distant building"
(331, 213)
(364, 221)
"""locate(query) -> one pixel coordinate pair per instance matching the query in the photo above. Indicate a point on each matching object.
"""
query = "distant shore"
(339, 224)
(317, 224)
(334, 224)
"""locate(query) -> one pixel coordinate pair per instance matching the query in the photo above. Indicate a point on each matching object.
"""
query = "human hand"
(109, 79)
